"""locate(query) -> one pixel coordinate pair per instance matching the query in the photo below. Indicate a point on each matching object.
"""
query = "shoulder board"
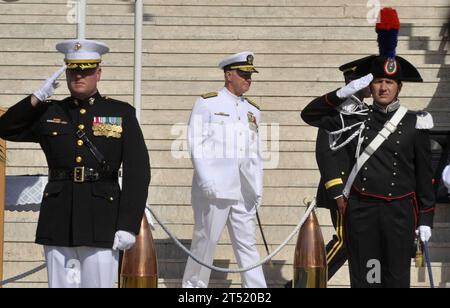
(424, 120)
(210, 95)
(253, 103)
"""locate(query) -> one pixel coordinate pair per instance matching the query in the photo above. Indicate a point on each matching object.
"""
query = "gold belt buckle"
(78, 174)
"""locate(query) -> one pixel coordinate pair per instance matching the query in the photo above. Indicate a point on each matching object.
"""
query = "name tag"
(56, 121)
(223, 114)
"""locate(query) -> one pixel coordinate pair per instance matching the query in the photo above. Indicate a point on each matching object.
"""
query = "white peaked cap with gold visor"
(82, 54)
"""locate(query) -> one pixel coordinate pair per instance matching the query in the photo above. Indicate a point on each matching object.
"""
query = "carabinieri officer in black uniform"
(390, 189)
(85, 216)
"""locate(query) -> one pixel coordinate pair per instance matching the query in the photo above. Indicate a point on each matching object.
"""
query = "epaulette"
(424, 120)
(210, 95)
(253, 103)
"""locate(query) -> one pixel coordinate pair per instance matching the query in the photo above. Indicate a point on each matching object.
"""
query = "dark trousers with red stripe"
(336, 250)
(380, 240)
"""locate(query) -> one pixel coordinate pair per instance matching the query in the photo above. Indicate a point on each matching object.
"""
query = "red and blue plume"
(387, 30)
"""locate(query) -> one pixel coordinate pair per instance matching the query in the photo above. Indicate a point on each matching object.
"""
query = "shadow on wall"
(439, 105)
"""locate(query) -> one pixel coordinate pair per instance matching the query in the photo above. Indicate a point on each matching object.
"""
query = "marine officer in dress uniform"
(391, 192)
(334, 168)
(227, 186)
(85, 217)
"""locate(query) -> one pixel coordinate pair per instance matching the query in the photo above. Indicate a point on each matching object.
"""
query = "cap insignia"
(250, 59)
(390, 66)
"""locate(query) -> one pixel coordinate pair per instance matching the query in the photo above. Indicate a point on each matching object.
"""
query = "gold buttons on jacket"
(79, 159)
(83, 111)
(81, 126)
(80, 143)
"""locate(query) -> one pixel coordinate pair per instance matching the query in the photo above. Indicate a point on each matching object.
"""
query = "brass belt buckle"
(78, 174)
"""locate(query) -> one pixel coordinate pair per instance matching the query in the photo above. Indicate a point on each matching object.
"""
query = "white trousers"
(211, 216)
(81, 267)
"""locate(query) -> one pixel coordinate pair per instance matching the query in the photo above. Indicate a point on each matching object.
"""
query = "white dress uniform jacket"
(224, 142)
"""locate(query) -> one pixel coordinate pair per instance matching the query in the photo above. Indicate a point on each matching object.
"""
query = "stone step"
(409, 46)
(209, 32)
(277, 274)
(239, 11)
(441, 232)
(442, 214)
(150, 19)
(265, 61)
(251, 3)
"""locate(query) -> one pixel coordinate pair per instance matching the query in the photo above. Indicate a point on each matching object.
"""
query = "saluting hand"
(354, 87)
(49, 86)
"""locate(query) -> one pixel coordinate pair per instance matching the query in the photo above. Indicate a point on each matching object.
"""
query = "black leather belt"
(81, 175)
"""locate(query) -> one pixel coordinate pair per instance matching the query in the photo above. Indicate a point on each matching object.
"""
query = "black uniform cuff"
(335, 191)
(426, 219)
(332, 99)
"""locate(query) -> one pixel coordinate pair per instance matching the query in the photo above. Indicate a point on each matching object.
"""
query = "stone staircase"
(299, 45)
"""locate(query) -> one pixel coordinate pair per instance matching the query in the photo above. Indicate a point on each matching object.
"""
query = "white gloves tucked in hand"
(123, 240)
(354, 87)
(446, 177)
(49, 86)
(424, 232)
(208, 188)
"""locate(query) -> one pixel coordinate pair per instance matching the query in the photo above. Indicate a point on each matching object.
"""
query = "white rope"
(239, 270)
(353, 106)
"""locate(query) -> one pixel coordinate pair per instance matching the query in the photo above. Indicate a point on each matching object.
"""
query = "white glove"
(49, 86)
(354, 87)
(446, 177)
(258, 201)
(208, 189)
(123, 240)
(424, 232)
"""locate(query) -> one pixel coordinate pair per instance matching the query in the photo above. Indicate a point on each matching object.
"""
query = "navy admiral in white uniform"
(228, 174)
